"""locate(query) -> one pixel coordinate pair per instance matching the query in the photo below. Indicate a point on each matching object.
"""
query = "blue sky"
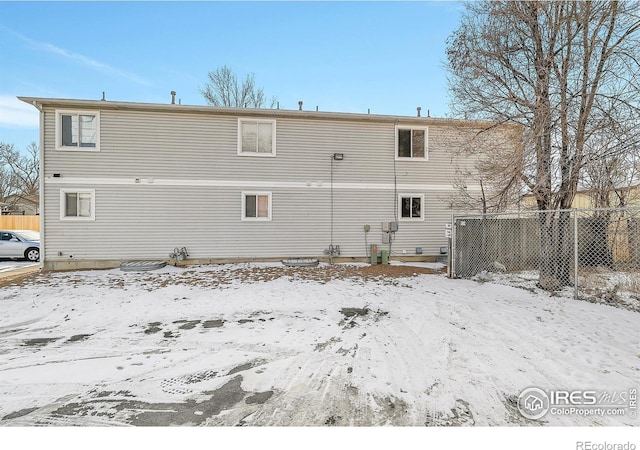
(339, 56)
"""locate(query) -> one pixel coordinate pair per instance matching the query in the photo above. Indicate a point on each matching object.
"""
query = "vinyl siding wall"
(166, 180)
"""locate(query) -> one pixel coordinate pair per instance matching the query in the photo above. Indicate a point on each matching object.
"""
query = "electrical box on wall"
(385, 238)
(390, 227)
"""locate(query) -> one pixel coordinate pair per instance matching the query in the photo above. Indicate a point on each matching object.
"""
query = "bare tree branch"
(569, 73)
(19, 173)
(223, 89)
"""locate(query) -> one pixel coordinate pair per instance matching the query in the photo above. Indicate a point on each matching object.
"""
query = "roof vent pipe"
(278, 105)
(104, 98)
(428, 113)
(419, 108)
(300, 105)
(173, 97)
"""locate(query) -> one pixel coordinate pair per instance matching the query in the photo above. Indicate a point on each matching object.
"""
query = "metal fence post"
(452, 250)
(575, 253)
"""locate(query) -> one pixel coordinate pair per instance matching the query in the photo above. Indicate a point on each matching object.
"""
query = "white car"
(20, 244)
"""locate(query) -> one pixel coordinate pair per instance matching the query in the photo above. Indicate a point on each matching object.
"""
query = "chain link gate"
(562, 248)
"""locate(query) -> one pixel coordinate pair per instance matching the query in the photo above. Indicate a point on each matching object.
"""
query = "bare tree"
(25, 168)
(223, 89)
(490, 183)
(566, 71)
(7, 183)
(612, 181)
(19, 173)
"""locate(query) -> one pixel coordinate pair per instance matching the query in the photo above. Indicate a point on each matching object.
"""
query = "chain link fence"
(592, 253)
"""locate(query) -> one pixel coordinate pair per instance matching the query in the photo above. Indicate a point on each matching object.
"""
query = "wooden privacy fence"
(20, 223)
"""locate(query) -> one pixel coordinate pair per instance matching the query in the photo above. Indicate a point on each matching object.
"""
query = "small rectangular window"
(412, 143)
(69, 132)
(417, 143)
(256, 137)
(77, 131)
(249, 137)
(263, 206)
(77, 204)
(71, 204)
(404, 143)
(256, 206)
(265, 137)
(411, 206)
(250, 207)
(88, 131)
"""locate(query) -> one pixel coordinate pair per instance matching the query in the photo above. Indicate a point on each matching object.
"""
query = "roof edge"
(43, 102)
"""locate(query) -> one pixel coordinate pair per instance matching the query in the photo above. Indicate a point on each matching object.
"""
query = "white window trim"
(426, 143)
(63, 205)
(411, 219)
(244, 218)
(58, 132)
(273, 137)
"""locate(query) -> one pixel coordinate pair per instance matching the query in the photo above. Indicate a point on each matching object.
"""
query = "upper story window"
(412, 143)
(256, 137)
(76, 130)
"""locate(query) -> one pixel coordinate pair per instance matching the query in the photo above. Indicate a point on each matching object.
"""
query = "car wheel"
(32, 254)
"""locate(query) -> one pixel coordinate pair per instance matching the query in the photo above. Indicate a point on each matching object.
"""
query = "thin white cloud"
(14, 113)
(84, 60)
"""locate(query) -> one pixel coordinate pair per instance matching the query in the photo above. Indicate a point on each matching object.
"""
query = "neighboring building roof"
(588, 191)
(30, 198)
(211, 110)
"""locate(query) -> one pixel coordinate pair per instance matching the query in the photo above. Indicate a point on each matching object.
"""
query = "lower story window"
(76, 204)
(256, 206)
(411, 207)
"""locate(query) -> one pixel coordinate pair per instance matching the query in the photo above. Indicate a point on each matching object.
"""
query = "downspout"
(395, 175)
(41, 184)
(395, 184)
(331, 219)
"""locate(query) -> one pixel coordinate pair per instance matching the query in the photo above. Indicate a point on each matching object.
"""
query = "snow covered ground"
(258, 344)
(619, 289)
